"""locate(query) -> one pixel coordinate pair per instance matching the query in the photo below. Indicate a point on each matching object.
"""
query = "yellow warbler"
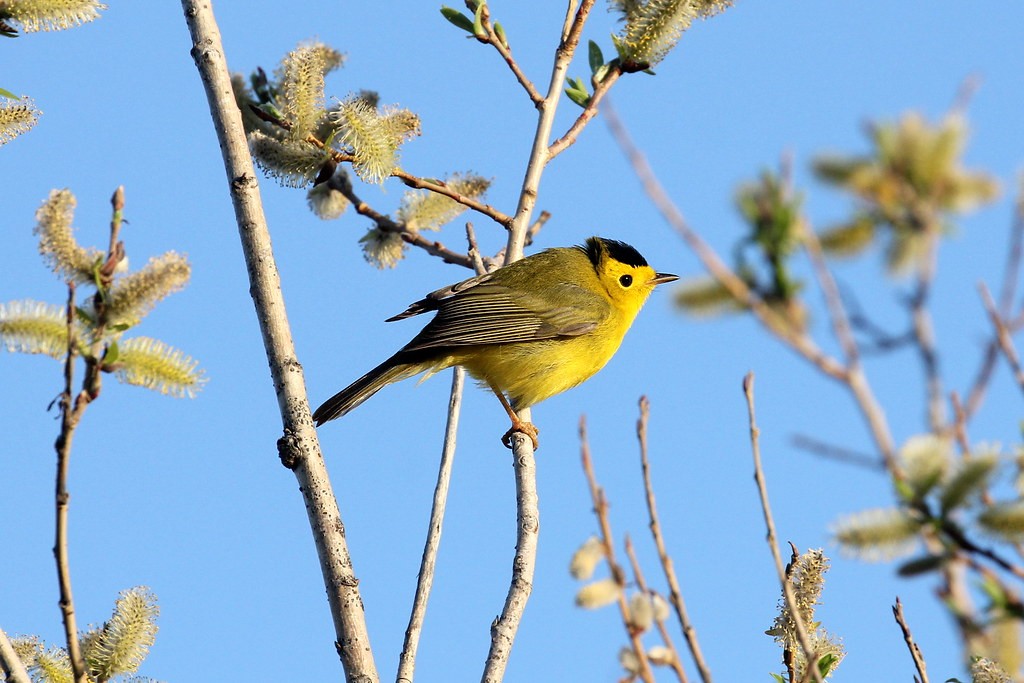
(530, 330)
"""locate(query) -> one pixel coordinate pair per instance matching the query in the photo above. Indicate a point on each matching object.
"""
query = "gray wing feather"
(488, 313)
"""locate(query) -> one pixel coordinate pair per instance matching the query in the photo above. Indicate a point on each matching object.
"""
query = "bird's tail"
(363, 388)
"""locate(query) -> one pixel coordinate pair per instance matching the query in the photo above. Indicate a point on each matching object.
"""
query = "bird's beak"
(662, 278)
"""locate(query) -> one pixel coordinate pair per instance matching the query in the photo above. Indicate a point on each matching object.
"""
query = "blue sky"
(187, 496)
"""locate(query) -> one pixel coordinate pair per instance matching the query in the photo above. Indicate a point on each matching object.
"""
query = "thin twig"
(924, 335)
(589, 112)
(667, 565)
(387, 224)
(960, 424)
(833, 301)
(601, 512)
(810, 655)
(796, 340)
(666, 637)
(838, 453)
(1002, 335)
(437, 186)
(915, 651)
(535, 227)
(1011, 275)
(474, 251)
(299, 447)
(506, 54)
(71, 416)
(505, 627)
(11, 665)
(954, 532)
(71, 413)
(446, 190)
(407, 661)
(539, 155)
(855, 379)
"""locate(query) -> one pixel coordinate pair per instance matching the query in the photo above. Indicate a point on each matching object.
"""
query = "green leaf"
(577, 92)
(112, 354)
(971, 478)
(904, 490)
(620, 47)
(84, 316)
(595, 57)
(826, 664)
(458, 18)
(8, 94)
(995, 592)
(778, 678)
(600, 73)
(499, 31)
(478, 22)
(922, 565)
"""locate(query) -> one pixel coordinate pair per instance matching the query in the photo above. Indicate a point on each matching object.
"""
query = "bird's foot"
(526, 428)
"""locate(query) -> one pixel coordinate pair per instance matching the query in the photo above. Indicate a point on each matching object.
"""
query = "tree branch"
(1003, 337)
(667, 566)
(855, 378)
(299, 445)
(504, 628)
(924, 336)
(589, 112)
(71, 414)
(762, 488)
(10, 664)
(798, 341)
(601, 512)
(506, 54)
(915, 651)
(666, 637)
(407, 661)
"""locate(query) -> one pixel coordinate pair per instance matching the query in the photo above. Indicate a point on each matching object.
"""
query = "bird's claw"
(526, 428)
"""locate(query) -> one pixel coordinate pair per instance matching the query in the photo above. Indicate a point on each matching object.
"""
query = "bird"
(529, 330)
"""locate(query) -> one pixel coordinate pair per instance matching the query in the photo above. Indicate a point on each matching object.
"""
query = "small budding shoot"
(807, 578)
(115, 649)
(293, 136)
(659, 655)
(984, 670)
(57, 242)
(598, 594)
(641, 612)
(383, 249)
(1004, 520)
(122, 643)
(17, 116)
(121, 300)
(878, 534)
(926, 459)
(424, 210)
(653, 27)
(586, 558)
(908, 187)
(373, 136)
(134, 295)
(49, 15)
(34, 327)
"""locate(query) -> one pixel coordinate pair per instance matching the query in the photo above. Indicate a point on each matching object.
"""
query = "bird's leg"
(517, 425)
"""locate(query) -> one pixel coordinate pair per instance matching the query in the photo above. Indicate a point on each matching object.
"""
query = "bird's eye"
(626, 280)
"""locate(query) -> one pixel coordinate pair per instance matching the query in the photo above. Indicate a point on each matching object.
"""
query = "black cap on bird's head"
(620, 251)
(598, 247)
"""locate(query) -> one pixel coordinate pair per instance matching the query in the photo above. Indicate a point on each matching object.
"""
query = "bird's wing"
(432, 301)
(490, 313)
